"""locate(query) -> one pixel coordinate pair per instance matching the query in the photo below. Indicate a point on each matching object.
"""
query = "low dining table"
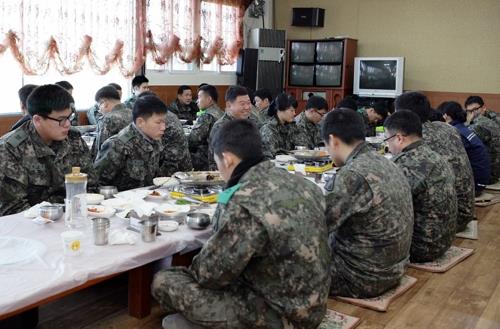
(50, 275)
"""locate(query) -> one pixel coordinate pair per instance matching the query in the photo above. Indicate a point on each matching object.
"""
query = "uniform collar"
(41, 149)
(360, 149)
(147, 143)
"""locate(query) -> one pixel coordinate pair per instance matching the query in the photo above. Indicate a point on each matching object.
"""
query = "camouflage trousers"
(235, 307)
(345, 284)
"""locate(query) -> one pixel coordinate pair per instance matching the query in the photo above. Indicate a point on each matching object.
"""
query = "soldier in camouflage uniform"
(263, 99)
(489, 133)
(239, 108)
(208, 115)
(94, 115)
(280, 134)
(432, 186)
(35, 157)
(372, 115)
(140, 84)
(184, 107)
(445, 141)
(132, 158)
(116, 116)
(369, 212)
(308, 121)
(176, 155)
(267, 264)
(477, 103)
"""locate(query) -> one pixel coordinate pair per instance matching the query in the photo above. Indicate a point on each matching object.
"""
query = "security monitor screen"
(377, 74)
(302, 75)
(302, 52)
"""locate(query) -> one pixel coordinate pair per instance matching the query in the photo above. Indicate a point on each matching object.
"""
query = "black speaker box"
(313, 17)
(246, 68)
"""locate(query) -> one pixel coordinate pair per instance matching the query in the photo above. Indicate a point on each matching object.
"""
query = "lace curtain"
(66, 33)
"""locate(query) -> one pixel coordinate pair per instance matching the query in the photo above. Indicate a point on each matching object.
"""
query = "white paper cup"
(72, 242)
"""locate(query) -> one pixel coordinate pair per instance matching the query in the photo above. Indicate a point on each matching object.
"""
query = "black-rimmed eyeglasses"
(63, 120)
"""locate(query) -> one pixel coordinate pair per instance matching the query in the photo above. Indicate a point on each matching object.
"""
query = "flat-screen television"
(301, 75)
(302, 52)
(328, 75)
(329, 51)
(378, 76)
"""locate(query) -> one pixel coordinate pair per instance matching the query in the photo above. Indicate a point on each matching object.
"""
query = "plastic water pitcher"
(76, 204)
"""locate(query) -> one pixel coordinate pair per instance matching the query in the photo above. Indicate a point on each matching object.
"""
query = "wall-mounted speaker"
(312, 17)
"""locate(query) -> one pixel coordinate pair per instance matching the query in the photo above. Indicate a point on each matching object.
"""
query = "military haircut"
(316, 102)
(282, 102)
(211, 91)
(345, 124)
(47, 98)
(147, 93)
(240, 137)
(380, 109)
(24, 92)
(181, 89)
(146, 106)
(116, 86)
(474, 100)
(107, 92)
(453, 110)
(234, 91)
(347, 103)
(416, 102)
(264, 93)
(404, 122)
(139, 80)
(65, 84)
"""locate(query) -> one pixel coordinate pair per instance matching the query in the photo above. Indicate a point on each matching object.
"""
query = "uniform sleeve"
(211, 161)
(300, 137)
(13, 184)
(109, 162)
(270, 143)
(351, 195)
(227, 253)
(483, 134)
(175, 156)
(201, 130)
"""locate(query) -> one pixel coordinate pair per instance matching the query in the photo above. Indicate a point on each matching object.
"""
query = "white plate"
(165, 181)
(167, 225)
(132, 194)
(94, 198)
(157, 195)
(284, 158)
(118, 203)
(168, 209)
(100, 211)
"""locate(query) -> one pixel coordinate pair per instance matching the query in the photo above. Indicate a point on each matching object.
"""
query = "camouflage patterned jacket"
(128, 160)
(445, 141)
(198, 138)
(272, 241)
(278, 138)
(434, 201)
(94, 114)
(369, 127)
(110, 124)
(310, 130)
(489, 133)
(175, 155)
(263, 115)
(370, 220)
(32, 172)
(184, 112)
(492, 115)
(129, 102)
(217, 125)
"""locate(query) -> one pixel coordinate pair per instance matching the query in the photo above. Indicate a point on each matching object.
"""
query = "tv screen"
(329, 51)
(301, 75)
(328, 75)
(302, 52)
(377, 74)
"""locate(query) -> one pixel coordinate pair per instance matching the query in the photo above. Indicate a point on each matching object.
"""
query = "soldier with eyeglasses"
(35, 157)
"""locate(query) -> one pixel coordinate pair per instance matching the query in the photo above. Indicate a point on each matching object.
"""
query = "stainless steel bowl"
(108, 191)
(53, 212)
(197, 220)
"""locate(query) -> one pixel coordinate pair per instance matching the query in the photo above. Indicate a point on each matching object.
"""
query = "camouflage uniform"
(32, 172)
(184, 112)
(111, 124)
(445, 141)
(198, 138)
(76, 119)
(175, 155)
(94, 114)
(263, 115)
(434, 201)
(267, 265)
(370, 220)
(130, 102)
(217, 125)
(489, 133)
(310, 130)
(369, 127)
(128, 160)
(492, 115)
(278, 138)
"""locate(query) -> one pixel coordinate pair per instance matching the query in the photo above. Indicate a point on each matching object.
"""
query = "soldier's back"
(489, 133)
